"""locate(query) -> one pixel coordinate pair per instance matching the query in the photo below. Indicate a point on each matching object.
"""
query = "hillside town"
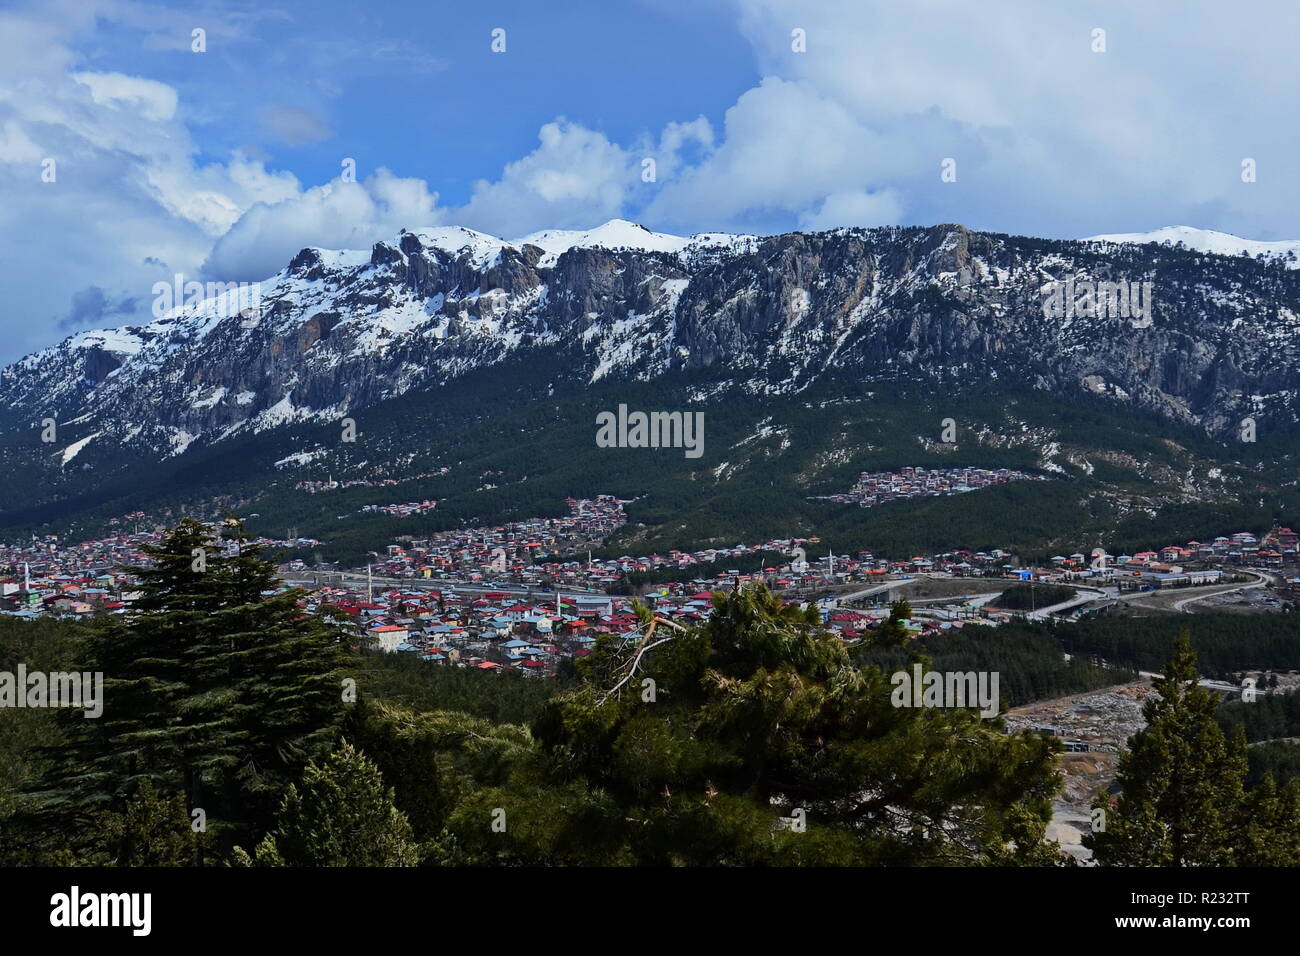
(330, 484)
(528, 595)
(878, 487)
(402, 510)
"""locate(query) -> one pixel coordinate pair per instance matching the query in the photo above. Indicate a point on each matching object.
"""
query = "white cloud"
(575, 178)
(16, 146)
(856, 208)
(785, 147)
(338, 215)
(1052, 138)
(153, 100)
(128, 193)
(676, 140)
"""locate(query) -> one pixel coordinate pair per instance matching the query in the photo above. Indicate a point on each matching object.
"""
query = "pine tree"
(1183, 799)
(166, 712)
(406, 750)
(341, 814)
(151, 830)
(283, 669)
(891, 632)
(754, 740)
(215, 686)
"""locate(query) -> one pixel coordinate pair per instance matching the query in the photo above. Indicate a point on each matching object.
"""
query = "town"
(329, 484)
(528, 595)
(877, 487)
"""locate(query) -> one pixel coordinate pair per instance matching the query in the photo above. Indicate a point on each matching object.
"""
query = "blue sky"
(222, 164)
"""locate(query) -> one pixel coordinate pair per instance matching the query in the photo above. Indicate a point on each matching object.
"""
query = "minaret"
(27, 577)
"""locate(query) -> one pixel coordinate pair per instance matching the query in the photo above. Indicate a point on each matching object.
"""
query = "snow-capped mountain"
(940, 307)
(1207, 240)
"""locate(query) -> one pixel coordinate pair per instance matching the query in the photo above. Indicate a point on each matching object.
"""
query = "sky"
(129, 155)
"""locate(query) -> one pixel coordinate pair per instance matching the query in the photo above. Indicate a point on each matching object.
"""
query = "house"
(593, 605)
(388, 636)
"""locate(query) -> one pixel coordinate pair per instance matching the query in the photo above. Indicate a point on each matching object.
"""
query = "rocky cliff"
(339, 331)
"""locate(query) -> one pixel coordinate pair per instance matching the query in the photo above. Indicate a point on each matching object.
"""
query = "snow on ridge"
(181, 439)
(201, 317)
(341, 258)
(1206, 240)
(484, 249)
(615, 234)
(730, 240)
(121, 341)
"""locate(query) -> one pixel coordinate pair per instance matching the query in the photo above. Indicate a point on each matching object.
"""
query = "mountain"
(443, 343)
(1207, 240)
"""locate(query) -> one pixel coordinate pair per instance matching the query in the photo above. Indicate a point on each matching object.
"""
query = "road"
(1259, 582)
(865, 592)
(1166, 601)
(1083, 595)
(1206, 682)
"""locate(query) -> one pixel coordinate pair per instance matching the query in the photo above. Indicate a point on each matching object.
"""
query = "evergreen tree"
(166, 714)
(282, 670)
(1183, 799)
(151, 830)
(891, 632)
(341, 814)
(215, 686)
(406, 750)
(754, 740)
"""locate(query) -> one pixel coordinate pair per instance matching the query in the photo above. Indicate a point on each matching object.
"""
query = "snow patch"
(72, 450)
(1207, 240)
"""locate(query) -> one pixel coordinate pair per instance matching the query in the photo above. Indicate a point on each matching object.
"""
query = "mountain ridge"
(940, 310)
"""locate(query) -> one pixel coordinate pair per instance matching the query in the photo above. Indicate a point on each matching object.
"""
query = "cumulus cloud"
(16, 146)
(574, 178)
(856, 208)
(1052, 134)
(337, 215)
(100, 167)
(784, 148)
(154, 101)
(680, 146)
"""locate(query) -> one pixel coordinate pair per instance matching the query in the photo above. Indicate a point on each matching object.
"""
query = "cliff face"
(337, 332)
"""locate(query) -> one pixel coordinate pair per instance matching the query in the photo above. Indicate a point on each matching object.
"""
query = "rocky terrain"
(941, 309)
